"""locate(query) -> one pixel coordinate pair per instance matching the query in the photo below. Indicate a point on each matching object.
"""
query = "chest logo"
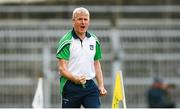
(91, 47)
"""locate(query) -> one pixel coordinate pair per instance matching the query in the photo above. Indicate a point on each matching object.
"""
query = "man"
(158, 96)
(78, 56)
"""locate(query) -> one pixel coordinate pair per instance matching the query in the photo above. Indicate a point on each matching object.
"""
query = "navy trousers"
(75, 95)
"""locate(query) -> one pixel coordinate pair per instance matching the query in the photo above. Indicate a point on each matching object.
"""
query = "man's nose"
(83, 21)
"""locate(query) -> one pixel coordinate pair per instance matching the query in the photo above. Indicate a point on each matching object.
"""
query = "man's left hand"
(102, 91)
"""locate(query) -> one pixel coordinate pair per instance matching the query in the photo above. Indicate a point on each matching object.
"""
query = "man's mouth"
(83, 27)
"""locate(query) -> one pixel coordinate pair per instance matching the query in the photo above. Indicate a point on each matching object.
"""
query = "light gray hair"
(80, 10)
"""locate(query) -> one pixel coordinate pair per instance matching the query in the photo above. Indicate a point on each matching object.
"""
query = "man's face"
(81, 23)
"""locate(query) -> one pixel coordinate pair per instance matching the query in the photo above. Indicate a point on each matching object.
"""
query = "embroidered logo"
(91, 47)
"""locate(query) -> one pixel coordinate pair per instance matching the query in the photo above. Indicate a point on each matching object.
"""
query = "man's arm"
(99, 78)
(62, 66)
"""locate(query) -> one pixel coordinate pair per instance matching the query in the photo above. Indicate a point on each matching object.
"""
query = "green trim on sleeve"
(66, 39)
(98, 54)
(64, 53)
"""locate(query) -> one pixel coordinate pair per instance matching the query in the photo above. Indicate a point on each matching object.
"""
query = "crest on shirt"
(91, 47)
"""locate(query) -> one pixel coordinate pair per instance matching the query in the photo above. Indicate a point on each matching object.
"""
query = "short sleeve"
(64, 53)
(98, 54)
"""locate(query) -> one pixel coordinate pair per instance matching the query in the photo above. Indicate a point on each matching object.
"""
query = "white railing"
(94, 8)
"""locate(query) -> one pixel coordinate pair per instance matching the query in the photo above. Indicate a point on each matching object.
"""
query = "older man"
(78, 57)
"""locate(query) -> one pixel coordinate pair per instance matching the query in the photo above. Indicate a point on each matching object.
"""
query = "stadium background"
(140, 37)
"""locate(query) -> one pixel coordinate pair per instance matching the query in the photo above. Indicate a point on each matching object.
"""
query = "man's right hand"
(80, 79)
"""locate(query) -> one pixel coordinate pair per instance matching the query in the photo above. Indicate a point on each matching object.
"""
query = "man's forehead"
(82, 16)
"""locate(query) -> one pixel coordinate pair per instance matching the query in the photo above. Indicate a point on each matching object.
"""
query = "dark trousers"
(75, 95)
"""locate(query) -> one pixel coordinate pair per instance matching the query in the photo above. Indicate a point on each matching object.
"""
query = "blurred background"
(139, 37)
